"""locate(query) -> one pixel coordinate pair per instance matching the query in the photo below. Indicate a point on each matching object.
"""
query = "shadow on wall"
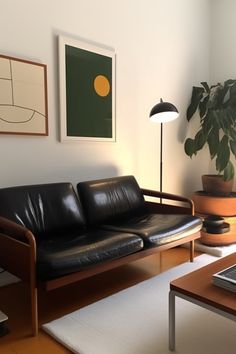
(72, 173)
(191, 183)
(182, 131)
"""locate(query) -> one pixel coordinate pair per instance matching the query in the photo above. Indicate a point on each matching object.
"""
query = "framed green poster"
(87, 91)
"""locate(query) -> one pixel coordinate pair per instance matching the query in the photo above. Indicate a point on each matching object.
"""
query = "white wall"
(174, 57)
(162, 49)
(223, 49)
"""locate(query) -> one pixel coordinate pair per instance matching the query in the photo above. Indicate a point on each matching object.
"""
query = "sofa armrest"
(17, 249)
(16, 231)
(168, 208)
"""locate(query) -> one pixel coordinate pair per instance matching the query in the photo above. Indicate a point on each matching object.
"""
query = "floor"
(14, 301)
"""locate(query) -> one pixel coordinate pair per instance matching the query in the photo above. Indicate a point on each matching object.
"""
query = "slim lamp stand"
(161, 113)
(161, 162)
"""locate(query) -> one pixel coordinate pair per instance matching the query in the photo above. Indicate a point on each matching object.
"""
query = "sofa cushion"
(111, 199)
(43, 208)
(64, 255)
(159, 229)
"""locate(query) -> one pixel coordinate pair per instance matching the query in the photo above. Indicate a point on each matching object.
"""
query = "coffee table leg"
(171, 320)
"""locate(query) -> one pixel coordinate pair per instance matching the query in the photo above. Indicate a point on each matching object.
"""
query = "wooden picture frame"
(23, 97)
(87, 91)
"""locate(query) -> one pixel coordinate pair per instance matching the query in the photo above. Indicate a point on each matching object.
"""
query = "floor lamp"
(161, 113)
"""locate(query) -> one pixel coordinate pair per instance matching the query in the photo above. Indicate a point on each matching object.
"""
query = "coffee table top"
(198, 285)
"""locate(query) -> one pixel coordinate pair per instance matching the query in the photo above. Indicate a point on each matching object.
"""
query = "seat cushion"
(111, 199)
(68, 254)
(159, 229)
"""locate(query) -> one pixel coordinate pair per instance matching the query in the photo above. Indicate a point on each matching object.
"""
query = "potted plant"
(216, 106)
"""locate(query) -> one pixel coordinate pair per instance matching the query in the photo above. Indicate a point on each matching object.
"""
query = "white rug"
(135, 321)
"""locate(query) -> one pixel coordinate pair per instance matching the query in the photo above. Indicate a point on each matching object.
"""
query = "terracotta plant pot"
(215, 185)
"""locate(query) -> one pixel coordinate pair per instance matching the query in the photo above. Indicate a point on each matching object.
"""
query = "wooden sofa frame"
(18, 251)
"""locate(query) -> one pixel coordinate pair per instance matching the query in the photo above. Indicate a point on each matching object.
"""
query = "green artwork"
(88, 85)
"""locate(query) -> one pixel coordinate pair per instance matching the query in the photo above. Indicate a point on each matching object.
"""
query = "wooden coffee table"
(197, 287)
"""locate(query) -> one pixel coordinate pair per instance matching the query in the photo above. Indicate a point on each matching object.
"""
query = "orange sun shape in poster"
(101, 85)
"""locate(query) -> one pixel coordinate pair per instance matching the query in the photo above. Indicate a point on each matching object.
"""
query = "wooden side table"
(205, 205)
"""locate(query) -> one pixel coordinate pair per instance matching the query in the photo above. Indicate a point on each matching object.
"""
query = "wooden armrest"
(14, 230)
(169, 196)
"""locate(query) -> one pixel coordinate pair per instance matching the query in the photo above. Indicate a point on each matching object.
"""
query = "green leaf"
(229, 172)
(219, 97)
(223, 120)
(203, 106)
(232, 96)
(206, 86)
(189, 147)
(224, 92)
(229, 118)
(232, 134)
(213, 141)
(215, 120)
(223, 154)
(208, 122)
(233, 147)
(200, 140)
(229, 82)
(197, 94)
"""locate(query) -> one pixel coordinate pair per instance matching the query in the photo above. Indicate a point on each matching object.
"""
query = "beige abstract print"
(23, 97)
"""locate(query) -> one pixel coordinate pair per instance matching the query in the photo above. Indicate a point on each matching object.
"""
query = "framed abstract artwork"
(87, 91)
(23, 97)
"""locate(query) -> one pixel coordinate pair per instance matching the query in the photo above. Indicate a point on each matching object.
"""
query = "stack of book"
(226, 278)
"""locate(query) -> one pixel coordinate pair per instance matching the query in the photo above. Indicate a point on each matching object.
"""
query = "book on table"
(226, 278)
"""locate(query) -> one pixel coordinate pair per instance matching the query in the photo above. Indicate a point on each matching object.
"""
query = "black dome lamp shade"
(163, 112)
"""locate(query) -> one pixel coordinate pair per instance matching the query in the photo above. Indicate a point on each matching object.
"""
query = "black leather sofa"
(52, 236)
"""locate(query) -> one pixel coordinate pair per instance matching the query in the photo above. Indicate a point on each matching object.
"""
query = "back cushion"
(108, 200)
(44, 208)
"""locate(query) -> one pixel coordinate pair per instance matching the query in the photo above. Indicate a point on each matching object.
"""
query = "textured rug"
(135, 321)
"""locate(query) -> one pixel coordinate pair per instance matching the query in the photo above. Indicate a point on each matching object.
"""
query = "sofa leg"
(34, 307)
(191, 251)
(34, 311)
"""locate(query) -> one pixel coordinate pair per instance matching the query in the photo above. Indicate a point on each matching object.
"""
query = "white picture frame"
(87, 91)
